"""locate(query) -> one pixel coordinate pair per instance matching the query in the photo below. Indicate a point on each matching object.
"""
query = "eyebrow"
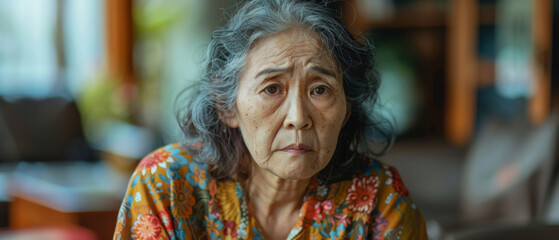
(323, 71)
(270, 71)
(278, 70)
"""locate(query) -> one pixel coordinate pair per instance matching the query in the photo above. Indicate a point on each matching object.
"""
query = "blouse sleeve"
(145, 210)
(396, 215)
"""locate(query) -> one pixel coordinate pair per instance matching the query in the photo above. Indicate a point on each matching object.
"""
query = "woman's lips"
(297, 149)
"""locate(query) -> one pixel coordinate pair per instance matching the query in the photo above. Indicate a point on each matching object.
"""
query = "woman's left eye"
(272, 90)
(320, 90)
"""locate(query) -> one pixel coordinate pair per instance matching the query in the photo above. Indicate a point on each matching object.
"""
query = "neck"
(273, 199)
(267, 191)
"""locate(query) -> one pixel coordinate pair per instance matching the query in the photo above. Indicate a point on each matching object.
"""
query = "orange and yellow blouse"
(170, 196)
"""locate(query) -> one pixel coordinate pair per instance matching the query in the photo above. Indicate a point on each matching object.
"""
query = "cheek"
(254, 125)
(330, 134)
(330, 127)
(247, 118)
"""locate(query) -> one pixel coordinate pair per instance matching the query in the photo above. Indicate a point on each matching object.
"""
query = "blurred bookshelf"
(450, 49)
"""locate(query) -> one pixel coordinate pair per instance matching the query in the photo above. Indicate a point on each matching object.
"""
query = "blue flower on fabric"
(257, 235)
(238, 191)
(214, 228)
(175, 151)
(334, 234)
(173, 173)
(197, 175)
(376, 166)
(241, 233)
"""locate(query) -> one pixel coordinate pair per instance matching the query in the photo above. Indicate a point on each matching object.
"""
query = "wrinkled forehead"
(291, 43)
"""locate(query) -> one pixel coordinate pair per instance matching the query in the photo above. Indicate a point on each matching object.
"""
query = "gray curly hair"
(199, 106)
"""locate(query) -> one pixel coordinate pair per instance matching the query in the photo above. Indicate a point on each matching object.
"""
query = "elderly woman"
(280, 140)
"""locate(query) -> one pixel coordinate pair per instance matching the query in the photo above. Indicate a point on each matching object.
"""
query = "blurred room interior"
(87, 89)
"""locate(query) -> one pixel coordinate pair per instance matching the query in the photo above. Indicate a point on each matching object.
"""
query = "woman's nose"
(298, 116)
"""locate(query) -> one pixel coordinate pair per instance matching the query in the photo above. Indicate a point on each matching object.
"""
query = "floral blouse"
(170, 196)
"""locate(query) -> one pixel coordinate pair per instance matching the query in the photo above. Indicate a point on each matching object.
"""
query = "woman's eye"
(273, 89)
(320, 90)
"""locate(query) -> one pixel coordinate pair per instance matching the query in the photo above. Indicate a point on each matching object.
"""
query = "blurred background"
(87, 89)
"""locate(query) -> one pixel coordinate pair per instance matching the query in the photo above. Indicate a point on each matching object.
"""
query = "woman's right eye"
(272, 89)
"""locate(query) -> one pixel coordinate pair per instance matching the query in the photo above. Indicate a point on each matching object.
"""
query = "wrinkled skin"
(291, 104)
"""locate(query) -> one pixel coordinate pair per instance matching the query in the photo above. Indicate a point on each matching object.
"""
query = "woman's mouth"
(297, 149)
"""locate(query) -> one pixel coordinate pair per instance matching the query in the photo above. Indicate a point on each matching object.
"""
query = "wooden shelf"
(26, 214)
(464, 70)
(423, 14)
(120, 39)
(415, 16)
(487, 14)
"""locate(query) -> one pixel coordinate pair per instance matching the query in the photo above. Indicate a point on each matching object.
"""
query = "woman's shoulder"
(382, 176)
(378, 191)
(169, 155)
(172, 162)
(162, 191)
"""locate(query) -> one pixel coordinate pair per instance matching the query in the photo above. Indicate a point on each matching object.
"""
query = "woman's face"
(290, 104)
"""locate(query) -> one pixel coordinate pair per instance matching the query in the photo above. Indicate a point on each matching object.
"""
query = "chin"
(294, 177)
(298, 167)
(296, 172)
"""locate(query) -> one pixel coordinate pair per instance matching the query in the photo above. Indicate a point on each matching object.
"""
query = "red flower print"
(317, 210)
(318, 213)
(398, 183)
(309, 211)
(214, 208)
(361, 195)
(215, 213)
(310, 208)
(146, 228)
(157, 158)
(167, 222)
(323, 208)
(229, 228)
(328, 205)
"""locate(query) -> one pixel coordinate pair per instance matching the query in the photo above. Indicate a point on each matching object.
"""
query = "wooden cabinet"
(28, 214)
(61, 195)
(452, 27)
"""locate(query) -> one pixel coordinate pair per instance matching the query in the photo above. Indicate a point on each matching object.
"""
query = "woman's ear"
(229, 118)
